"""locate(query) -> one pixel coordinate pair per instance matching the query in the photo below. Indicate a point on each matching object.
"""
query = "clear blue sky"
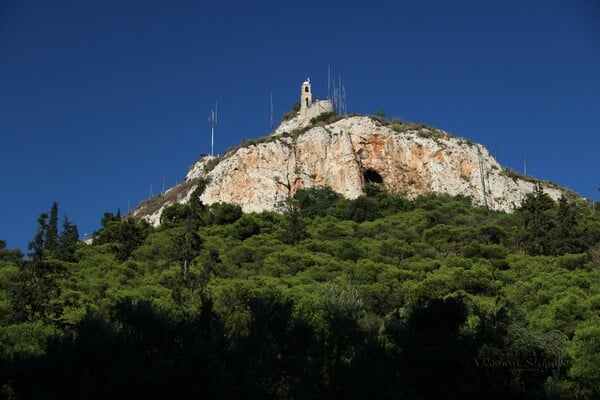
(101, 99)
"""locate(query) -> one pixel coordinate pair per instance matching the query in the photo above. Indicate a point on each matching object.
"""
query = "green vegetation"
(325, 118)
(511, 173)
(291, 114)
(377, 297)
(424, 131)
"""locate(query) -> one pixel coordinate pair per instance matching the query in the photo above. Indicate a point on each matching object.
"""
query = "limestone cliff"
(344, 155)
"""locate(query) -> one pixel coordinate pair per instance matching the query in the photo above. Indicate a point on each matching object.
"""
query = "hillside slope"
(344, 155)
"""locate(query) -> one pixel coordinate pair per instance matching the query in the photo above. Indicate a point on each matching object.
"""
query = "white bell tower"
(305, 97)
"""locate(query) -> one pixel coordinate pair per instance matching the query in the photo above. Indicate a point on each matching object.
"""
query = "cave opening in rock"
(372, 176)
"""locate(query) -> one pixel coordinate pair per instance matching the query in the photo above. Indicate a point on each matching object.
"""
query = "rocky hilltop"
(345, 154)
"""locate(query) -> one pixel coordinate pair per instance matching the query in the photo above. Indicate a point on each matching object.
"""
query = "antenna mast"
(339, 98)
(328, 82)
(212, 120)
(524, 164)
(271, 110)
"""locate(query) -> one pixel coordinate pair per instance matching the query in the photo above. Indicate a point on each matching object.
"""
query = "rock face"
(345, 155)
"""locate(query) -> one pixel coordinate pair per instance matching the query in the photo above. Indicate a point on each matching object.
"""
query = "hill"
(345, 154)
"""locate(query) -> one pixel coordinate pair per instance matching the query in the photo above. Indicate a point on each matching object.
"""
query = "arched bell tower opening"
(305, 97)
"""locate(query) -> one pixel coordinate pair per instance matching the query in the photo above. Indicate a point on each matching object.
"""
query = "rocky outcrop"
(346, 154)
(300, 121)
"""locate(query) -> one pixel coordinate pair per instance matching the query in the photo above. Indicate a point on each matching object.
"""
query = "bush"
(572, 261)
(316, 201)
(292, 114)
(326, 117)
(223, 214)
(173, 215)
(246, 227)
(363, 209)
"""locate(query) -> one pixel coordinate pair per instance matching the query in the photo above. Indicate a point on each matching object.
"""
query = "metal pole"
(212, 140)
(271, 110)
(328, 82)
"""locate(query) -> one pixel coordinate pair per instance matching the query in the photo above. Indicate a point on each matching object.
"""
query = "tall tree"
(51, 243)
(37, 245)
(537, 212)
(295, 230)
(187, 245)
(565, 235)
(34, 286)
(131, 234)
(68, 240)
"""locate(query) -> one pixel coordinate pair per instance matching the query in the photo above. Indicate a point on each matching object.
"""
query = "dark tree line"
(35, 285)
(143, 353)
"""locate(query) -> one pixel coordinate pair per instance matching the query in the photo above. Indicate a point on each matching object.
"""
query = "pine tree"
(187, 245)
(295, 228)
(565, 238)
(37, 245)
(130, 235)
(34, 286)
(195, 206)
(537, 212)
(51, 242)
(68, 240)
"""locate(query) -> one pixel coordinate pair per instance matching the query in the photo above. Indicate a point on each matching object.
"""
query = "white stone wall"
(319, 107)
